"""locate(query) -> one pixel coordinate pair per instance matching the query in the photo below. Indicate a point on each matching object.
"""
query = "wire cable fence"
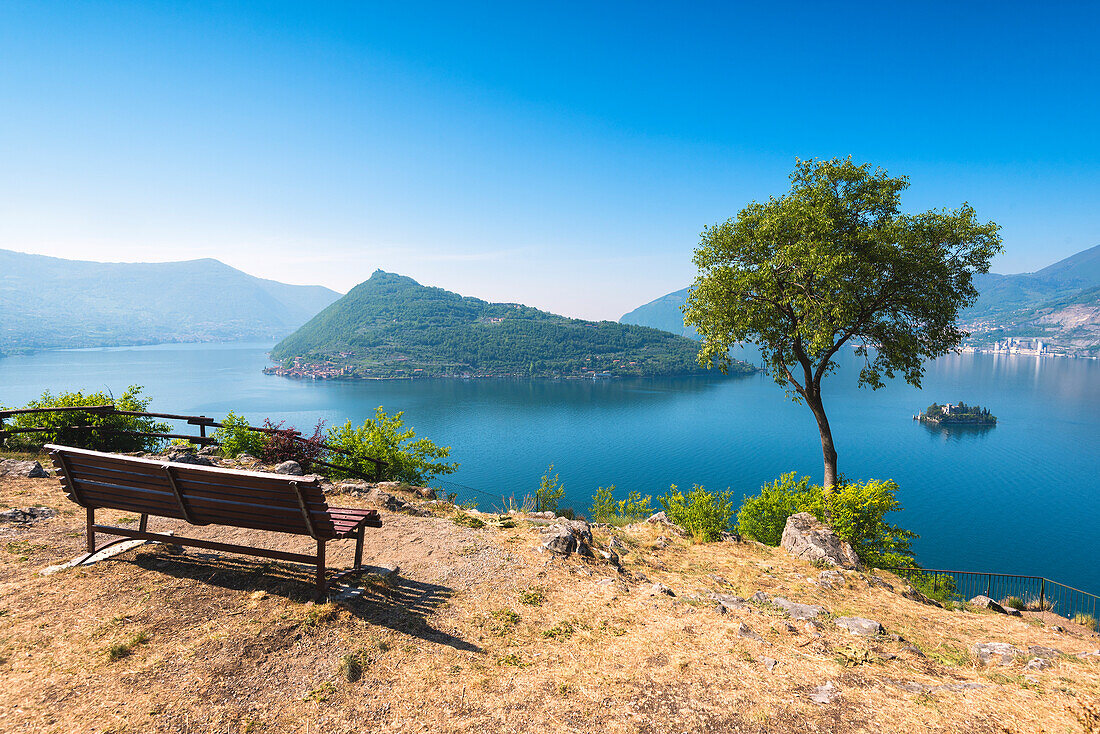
(1026, 593)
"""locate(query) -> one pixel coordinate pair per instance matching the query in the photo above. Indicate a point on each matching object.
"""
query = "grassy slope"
(455, 644)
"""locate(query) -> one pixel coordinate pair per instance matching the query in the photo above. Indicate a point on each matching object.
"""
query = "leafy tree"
(106, 431)
(834, 261)
(385, 437)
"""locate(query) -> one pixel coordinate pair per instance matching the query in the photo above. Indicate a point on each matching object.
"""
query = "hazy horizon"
(562, 157)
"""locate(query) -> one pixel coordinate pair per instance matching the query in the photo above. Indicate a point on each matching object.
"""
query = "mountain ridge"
(392, 326)
(1031, 306)
(50, 302)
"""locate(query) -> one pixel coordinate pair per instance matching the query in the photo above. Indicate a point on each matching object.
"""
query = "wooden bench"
(203, 495)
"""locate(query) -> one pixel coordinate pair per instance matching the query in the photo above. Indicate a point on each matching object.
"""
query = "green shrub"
(763, 516)
(237, 438)
(703, 514)
(856, 512)
(1014, 602)
(549, 493)
(940, 587)
(1085, 620)
(385, 437)
(606, 510)
(107, 431)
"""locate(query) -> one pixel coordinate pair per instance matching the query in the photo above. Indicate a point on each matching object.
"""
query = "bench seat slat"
(206, 512)
(279, 494)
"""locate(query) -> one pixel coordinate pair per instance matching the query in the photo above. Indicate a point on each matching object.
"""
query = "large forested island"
(392, 327)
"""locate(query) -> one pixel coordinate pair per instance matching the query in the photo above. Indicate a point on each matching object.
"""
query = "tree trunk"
(828, 451)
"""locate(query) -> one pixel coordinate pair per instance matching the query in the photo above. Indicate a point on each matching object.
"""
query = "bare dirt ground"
(481, 632)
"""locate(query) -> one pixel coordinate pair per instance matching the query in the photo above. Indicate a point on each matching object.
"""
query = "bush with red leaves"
(285, 444)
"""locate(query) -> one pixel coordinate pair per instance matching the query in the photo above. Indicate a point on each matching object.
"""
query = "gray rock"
(831, 580)
(426, 493)
(15, 468)
(729, 603)
(210, 451)
(183, 456)
(797, 611)
(859, 626)
(1057, 628)
(806, 538)
(912, 594)
(27, 515)
(1038, 651)
(288, 467)
(880, 582)
(984, 602)
(760, 598)
(731, 538)
(616, 546)
(825, 693)
(769, 663)
(913, 650)
(568, 536)
(1003, 652)
(1039, 664)
(743, 630)
(659, 589)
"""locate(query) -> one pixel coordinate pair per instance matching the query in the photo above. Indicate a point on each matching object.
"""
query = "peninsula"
(392, 327)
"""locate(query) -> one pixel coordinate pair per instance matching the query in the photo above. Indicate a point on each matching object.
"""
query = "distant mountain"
(1059, 304)
(48, 302)
(391, 326)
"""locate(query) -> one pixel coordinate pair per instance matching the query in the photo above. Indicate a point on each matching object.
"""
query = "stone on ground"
(859, 626)
(806, 538)
(16, 468)
(825, 693)
(1004, 653)
(798, 611)
(27, 515)
(289, 467)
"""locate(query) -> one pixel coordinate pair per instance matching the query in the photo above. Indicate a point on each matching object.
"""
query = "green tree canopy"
(835, 261)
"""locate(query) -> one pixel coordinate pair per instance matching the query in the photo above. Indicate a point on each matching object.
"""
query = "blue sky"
(564, 155)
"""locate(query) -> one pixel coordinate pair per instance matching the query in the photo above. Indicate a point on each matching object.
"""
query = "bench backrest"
(201, 495)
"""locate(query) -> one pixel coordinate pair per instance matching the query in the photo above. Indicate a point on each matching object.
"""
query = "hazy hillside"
(50, 302)
(1060, 304)
(392, 326)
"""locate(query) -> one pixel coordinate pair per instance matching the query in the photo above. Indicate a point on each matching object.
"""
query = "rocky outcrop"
(806, 538)
(831, 580)
(27, 515)
(567, 537)
(859, 626)
(1002, 652)
(289, 467)
(797, 611)
(16, 468)
(181, 456)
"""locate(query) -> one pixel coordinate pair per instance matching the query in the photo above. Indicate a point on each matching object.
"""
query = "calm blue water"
(1020, 498)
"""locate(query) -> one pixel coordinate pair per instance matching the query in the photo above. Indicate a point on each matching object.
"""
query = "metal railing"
(71, 434)
(1036, 593)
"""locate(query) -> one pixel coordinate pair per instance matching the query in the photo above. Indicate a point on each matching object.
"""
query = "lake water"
(1018, 498)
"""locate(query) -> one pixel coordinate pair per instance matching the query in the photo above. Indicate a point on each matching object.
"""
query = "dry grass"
(482, 633)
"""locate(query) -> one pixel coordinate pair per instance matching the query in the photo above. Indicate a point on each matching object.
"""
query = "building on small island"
(957, 414)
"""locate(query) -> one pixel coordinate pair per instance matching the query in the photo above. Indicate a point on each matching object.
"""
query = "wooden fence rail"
(201, 421)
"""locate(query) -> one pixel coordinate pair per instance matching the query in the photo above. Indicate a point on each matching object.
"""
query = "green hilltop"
(391, 326)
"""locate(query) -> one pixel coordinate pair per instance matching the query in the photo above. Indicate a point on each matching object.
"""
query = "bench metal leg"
(143, 523)
(359, 549)
(91, 530)
(321, 590)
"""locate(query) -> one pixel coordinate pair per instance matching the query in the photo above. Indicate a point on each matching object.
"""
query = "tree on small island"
(835, 261)
(960, 413)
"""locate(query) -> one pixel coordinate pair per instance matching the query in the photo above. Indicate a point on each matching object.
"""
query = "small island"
(959, 414)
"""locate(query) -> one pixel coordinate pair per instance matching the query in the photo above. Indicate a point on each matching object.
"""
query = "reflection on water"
(965, 489)
(957, 431)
